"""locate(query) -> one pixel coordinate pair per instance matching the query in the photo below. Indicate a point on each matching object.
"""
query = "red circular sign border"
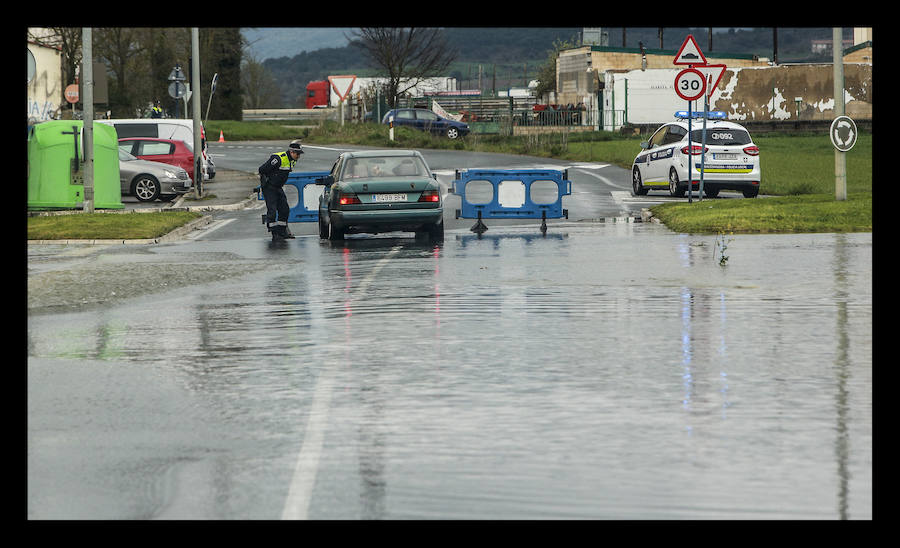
(702, 79)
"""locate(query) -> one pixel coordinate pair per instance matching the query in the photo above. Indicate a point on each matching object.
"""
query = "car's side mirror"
(645, 144)
(326, 180)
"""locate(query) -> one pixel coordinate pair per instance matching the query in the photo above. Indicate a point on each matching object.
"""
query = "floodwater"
(615, 371)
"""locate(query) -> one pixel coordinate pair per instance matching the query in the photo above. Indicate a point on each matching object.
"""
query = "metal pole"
(690, 181)
(195, 85)
(840, 158)
(87, 84)
(703, 146)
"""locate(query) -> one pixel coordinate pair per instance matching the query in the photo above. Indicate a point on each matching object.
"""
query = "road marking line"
(297, 504)
(209, 228)
(605, 180)
(303, 481)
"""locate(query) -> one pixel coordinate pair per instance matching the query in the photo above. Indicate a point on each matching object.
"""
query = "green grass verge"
(101, 226)
(783, 214)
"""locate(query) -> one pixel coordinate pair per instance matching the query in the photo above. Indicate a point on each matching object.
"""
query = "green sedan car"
(379, 191)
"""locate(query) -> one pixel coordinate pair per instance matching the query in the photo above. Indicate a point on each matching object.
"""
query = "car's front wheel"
(145, 188)
(452, 133)
(637, 185)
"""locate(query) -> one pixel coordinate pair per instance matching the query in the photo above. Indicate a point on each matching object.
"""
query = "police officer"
(272, 176)
(156, 111)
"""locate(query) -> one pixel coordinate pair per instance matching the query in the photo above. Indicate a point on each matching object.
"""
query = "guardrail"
(311, 114)
(511, 195)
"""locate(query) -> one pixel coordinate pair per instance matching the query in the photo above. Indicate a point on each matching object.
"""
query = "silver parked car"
(148, 180)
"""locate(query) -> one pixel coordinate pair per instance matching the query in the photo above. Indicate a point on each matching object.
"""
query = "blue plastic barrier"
(300, 213)
(529, 209)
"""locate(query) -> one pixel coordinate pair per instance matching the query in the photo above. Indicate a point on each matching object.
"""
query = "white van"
(165, 128)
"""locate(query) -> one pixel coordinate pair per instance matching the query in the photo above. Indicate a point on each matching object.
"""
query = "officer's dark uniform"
(272, 176)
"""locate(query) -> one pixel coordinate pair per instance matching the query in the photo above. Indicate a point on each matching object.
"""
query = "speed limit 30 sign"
(690, 84)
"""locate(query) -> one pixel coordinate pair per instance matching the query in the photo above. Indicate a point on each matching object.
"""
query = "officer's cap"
(296, 145)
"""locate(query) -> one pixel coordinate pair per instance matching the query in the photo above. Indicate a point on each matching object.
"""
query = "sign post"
(691, 84)
(717, 72)
(840, 157)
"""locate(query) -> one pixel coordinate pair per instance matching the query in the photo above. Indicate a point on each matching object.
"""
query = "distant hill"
(268, 43)
(506, 56)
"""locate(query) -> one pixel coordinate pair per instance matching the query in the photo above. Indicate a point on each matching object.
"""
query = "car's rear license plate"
(723, 156)
(389, 197)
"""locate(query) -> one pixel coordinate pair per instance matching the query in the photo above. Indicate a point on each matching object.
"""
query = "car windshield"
(126, 157)
(722, 136)
(384, 166)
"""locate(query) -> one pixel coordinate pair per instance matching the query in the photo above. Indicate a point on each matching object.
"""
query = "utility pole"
(87, 84)
(840, 157)
(195, 85)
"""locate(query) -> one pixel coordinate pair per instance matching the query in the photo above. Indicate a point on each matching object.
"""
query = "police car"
(730, 159)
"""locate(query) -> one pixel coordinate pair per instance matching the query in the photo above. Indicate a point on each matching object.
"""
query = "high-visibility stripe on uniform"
(286, 162)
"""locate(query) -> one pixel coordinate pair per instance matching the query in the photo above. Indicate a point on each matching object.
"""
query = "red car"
(166, 151)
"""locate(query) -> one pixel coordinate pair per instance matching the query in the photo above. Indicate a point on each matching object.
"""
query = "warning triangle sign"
(689, 53)
(342, 84)
(713, 75)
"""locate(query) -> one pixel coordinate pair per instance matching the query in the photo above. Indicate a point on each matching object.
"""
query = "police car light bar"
(711, 115)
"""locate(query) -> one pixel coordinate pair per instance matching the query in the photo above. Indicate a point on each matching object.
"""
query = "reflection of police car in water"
(731, 159)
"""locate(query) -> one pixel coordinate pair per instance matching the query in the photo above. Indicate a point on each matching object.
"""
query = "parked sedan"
(148, 181)
(165, 151)
(426, 120)
(380, 191)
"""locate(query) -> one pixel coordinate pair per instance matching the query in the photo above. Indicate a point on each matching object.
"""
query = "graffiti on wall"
(45, 89)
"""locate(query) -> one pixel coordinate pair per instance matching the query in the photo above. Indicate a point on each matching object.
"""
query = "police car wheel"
(674, 189)
(637, 186)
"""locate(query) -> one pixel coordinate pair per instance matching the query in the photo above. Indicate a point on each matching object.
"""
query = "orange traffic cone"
(221, 136)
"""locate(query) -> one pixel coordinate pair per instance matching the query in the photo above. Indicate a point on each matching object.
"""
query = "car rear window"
(388, 166)
(722, 136)
(137, 130)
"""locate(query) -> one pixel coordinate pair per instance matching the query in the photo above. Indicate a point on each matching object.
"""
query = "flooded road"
(605, 371)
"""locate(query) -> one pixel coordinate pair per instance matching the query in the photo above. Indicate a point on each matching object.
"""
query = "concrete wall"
(750, 89)
(748, 94)
(45, 91)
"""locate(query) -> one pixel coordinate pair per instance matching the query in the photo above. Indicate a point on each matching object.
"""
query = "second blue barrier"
(300, 213)
(518, 202)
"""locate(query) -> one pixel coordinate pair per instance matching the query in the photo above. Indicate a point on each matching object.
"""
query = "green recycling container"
(56, 174)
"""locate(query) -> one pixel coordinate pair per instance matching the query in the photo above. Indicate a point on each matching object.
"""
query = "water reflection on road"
(599, 372)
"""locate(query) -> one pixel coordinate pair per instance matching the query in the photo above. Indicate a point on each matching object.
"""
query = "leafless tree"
(406, 55)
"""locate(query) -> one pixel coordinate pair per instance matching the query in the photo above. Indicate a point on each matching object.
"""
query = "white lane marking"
(216, 225)
(297, 504)
(303, 481)
(606, 180)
